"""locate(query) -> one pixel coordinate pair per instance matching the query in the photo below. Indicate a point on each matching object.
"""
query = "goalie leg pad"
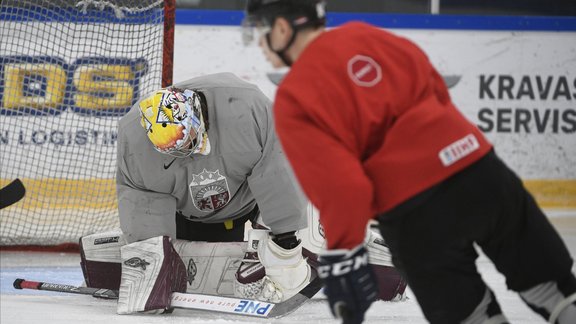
(151, 271)
(211, 266)
(391, 284)
(100, 259)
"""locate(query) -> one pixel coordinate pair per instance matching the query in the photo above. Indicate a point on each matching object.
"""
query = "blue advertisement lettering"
(93, 86)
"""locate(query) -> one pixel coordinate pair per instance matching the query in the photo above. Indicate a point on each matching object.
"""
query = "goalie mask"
(174, 123)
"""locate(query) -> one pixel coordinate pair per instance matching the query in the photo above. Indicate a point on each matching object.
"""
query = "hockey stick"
(11, 193)
(220, 304)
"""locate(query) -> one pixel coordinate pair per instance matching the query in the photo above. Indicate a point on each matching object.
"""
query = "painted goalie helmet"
(173, 121)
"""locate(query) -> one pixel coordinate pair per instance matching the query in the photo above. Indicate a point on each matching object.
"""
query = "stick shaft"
(220, 304)
(36, 285)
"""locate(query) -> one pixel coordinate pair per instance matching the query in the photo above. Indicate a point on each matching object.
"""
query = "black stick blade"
(12, 193)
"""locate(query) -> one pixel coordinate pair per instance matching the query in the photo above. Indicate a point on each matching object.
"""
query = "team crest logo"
(209, 190)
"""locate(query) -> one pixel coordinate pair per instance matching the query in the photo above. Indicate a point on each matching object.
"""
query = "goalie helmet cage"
(69, 69)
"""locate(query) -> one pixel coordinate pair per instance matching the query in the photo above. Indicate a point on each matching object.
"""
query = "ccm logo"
(343, 267)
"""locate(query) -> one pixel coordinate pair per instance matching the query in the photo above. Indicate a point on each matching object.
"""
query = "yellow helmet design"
(172, 119)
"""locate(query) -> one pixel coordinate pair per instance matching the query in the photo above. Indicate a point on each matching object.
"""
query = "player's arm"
(143, 213)
(327, 159)
(281, 202)
(274, 268)
(150, 267)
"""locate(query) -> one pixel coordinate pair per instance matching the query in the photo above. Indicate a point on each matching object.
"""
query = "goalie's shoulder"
(131, 119)
(132, 138)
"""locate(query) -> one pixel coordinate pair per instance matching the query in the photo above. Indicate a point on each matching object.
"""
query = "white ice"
(30, 306)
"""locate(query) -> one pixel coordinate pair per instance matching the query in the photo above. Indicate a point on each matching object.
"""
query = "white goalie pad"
(211, 266)
(391, 284)
(103, 247)
(151, 271)
(378, 252)
(313, 239)
(100, 259)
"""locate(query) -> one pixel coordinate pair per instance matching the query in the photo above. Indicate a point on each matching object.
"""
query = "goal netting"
(69, 70)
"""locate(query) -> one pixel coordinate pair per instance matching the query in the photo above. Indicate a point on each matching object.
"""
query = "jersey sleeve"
(281, 202)
(326, 160)
(143, 214)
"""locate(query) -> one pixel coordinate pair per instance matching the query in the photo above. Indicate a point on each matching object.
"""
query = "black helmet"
(301, 13)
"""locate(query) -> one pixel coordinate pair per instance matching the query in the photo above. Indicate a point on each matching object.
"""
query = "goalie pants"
(233, 231)
(432, 239)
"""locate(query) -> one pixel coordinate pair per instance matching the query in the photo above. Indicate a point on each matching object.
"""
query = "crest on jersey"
(209, 190)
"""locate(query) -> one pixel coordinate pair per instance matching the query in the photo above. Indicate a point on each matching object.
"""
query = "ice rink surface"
(30, 306)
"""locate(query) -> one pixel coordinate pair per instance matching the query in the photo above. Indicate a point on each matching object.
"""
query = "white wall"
(499, 74)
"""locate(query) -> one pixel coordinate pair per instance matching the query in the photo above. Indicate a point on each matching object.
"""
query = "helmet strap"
(282, 52)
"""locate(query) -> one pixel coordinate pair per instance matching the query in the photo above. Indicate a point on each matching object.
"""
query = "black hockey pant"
(432, 238)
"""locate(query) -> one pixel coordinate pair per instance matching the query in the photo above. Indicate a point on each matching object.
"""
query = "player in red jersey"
(371, 132)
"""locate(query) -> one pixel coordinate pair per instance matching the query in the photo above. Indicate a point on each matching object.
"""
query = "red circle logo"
(364, 71)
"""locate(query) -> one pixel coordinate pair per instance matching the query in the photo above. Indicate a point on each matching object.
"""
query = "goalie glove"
(350, 284)
(270, 272)
(151, 271)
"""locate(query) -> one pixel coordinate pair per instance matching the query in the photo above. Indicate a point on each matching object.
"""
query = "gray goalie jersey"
(245, 167)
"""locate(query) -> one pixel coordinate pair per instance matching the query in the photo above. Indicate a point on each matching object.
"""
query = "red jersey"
(367, 122)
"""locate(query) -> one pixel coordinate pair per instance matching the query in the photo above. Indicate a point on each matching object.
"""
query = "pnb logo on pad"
(254, 308)
(458, 150)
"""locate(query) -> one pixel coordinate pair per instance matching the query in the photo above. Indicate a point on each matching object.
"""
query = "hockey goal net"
(69, 69)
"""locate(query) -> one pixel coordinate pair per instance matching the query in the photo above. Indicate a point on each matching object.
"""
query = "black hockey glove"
(349, 283)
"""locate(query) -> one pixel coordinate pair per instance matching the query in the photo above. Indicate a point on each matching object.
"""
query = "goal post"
(69, 70)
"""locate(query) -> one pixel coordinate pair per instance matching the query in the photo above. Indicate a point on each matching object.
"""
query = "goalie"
(196, 162)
